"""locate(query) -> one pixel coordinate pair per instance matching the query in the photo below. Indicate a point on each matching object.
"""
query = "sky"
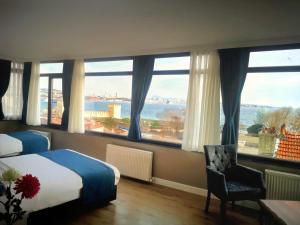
(173, 86)
(271, 89)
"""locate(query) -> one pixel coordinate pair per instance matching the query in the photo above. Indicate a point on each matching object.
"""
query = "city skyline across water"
(153, 111)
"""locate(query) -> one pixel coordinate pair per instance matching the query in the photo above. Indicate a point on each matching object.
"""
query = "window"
(51, 68)
(108, 66)
(51, 105)
(290, 57)
(108, 96)
(162, 118)
(172, 63)
(108, 88)
(44, 83)
(57, 107)
(270, 106)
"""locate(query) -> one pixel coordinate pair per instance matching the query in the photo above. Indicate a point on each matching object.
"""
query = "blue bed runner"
(31, 142)
(98, 179)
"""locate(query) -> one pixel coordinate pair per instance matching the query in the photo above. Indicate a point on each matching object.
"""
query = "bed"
(66, 175)
(24, 142)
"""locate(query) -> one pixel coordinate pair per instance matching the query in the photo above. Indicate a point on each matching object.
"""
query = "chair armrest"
(216, 182)
(251, 176)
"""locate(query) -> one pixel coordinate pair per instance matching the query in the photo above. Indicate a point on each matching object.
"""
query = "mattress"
(58, 184)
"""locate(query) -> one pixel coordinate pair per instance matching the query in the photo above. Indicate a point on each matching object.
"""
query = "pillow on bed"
(9, 146)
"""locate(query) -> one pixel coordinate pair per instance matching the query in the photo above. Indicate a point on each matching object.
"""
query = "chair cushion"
(241, 191)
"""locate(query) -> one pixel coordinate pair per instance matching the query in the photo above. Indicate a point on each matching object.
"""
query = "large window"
(270, 105)
(162, 118)
(108, 96)
(51, 93)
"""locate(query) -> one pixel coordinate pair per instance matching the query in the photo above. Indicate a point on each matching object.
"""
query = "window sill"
(10, 120)
(121, 137)
(143, 141)
(52, 126)
(269, 160)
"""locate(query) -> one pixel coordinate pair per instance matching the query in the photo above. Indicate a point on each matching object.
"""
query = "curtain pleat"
(12, 102)
(25, 88)
(141, 80)
(5, 68)
(233, 71)
(66, 89)
(76, 114)
(202, 119)
(33, 105)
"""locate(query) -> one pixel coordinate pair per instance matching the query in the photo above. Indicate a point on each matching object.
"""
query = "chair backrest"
(220, 157)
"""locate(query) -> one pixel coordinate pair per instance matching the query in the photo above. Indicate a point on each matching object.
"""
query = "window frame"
(272, 69)
(108, 74)
(168, 73)
(268, 69)
(50, 77)
(129, 73)
(115, 73)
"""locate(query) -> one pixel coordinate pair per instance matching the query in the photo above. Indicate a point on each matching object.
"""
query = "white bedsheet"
(9, 145)
(58, 184)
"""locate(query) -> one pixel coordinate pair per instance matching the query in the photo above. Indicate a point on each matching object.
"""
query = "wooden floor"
(148, 204)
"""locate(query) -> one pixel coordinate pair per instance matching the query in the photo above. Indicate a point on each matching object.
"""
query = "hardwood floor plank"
(147, 204)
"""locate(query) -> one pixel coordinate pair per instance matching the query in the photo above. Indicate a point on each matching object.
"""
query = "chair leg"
(261, 215)
(233, 204)
(207, 201)
(223, 212)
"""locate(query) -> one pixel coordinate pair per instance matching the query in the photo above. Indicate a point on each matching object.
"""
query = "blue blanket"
(31, 142)
(98, 179)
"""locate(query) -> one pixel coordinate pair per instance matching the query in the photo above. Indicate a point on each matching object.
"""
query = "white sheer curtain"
(202, 120)
(12, 101)
(76, 111)
(33, 107)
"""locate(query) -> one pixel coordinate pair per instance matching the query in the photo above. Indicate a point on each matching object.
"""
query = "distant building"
(114, 111)
(58, 109)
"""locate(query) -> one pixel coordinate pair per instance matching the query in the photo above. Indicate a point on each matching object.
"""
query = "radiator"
(282, 186)
(131, 162)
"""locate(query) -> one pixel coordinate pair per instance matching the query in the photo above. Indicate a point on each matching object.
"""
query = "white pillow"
(9, 145)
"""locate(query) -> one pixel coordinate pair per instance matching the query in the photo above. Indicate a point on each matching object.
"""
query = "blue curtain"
(5, 67)
(66, 90)
(25, 86)
(141, 80)
(233, 71)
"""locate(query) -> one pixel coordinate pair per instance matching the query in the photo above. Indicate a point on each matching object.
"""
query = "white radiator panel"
(282, 186)
(131, 162)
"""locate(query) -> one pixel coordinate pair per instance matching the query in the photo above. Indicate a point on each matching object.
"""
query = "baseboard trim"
(198, 191)
(180, 186)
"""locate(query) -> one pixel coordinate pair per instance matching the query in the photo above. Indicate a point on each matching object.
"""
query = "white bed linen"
(9, 145)
(58, 184)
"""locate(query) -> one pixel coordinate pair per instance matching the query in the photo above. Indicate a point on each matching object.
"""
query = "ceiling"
(57, 29)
